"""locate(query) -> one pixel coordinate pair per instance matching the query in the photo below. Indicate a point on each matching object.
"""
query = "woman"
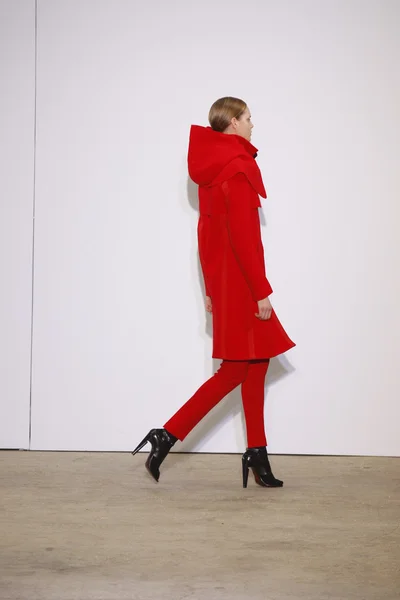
(246, 330)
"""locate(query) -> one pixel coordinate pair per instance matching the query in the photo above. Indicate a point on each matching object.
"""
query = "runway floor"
(94, 526)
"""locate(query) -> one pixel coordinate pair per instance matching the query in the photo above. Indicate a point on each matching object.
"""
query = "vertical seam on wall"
(33, 230)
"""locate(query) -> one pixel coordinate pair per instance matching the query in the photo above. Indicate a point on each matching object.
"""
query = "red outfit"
(230, 245)
(232, 259)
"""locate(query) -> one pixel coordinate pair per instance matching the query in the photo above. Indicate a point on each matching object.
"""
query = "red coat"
(230, 245)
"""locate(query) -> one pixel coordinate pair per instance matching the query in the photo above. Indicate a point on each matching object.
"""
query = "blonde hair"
(224, 110)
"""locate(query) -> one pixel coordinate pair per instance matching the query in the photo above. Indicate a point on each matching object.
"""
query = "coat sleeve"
(242, 235)
(203, 235)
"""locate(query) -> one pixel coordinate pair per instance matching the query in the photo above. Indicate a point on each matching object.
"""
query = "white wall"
(120, 335)
(17, 96)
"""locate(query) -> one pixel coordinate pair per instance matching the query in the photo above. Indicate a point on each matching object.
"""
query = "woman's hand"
(208, 304)
(264, 310)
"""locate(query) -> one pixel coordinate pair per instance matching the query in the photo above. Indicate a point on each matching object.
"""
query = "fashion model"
(246, 330)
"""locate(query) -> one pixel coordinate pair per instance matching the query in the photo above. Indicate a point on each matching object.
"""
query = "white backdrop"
(120, 337)
(17, 111)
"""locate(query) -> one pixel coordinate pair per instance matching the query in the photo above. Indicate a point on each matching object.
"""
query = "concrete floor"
(94, 526)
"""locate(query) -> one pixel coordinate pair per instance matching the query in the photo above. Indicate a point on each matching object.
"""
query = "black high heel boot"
(161, 443)
(257, 460)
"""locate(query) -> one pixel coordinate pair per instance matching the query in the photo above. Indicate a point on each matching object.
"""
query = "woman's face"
(243, 125)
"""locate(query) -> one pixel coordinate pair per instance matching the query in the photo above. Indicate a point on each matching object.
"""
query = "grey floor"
(94, 526)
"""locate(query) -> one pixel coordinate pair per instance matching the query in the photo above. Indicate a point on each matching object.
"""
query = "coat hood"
(214, 157)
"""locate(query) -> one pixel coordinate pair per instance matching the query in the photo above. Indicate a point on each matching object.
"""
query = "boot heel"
(245, 472)
(142, 443)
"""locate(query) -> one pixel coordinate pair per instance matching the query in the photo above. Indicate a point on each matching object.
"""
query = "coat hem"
(219, 356)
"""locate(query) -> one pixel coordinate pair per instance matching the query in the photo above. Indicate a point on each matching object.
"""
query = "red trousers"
(251, 375)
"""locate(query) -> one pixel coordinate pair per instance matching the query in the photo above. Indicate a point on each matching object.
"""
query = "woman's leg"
(229, 375)
(256, 456)
(253, 402)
